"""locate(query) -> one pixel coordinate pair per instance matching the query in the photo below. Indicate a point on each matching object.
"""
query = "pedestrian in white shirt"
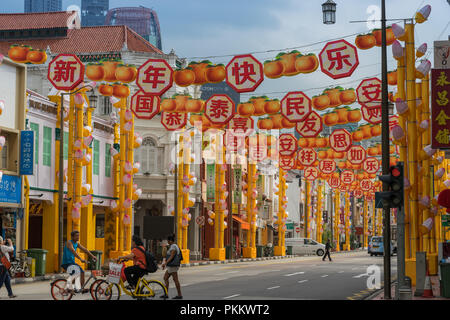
(4, 273)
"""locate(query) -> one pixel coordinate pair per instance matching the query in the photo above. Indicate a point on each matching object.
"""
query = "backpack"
(176, 261)
(150, 261)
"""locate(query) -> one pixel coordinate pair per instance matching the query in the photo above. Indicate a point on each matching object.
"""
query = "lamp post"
(61, 171)
(329, 12)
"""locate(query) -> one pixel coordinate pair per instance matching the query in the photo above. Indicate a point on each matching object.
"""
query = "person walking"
(172, 261)
(327, 251)
(4, 273)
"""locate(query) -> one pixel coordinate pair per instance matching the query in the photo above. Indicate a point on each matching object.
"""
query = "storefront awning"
(244, 225)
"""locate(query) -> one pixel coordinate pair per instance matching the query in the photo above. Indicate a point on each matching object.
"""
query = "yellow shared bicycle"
(112, 288)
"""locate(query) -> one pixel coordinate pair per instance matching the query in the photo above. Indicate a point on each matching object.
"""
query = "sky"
(217, 30)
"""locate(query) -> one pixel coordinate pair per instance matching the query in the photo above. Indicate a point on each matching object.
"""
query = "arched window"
(150, 157)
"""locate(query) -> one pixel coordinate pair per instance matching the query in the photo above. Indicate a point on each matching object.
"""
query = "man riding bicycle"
(70, 252)
(133, 273)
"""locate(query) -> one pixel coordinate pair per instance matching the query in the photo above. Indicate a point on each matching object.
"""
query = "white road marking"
(301, 281)
(273, 288)
(233, 296)
(293, 274)
(361, 275)
(224, 273)
(341, 271)
(325, 275)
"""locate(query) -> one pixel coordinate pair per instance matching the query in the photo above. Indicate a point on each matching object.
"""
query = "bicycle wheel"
(58, 292)
(152, 289)
(27, 271)
(107, 291)
(93, 287)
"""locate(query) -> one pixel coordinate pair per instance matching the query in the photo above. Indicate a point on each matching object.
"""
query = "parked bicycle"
(20, 265)
(112, 288)
(65, 288)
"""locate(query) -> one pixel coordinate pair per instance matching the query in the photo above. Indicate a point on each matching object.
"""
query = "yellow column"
(70, 164)
(280, 250)
(129, 211)
(179, 159)
(250, 250)
(78, 165)
(366, 218)
(347, 221)
(337, 220)
(186, 171)
(319, 213)
(308, 209)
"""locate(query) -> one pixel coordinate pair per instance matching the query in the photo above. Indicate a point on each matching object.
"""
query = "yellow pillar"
(319, 213)
(347, 221)
(280, 250)
(179, 159)
(366, 218)
(186, 172)
(250, 250)
(308, 208)
(70, 165)
(337, 220)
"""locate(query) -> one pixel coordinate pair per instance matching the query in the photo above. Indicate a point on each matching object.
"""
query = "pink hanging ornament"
(79, 100)
(127, 203)
(126, 220)
(128, 115)
(128, 125)
(126, 178)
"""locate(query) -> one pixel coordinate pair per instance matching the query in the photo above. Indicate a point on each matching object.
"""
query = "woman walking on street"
(4, 273)
(327, 251)
(172, 261)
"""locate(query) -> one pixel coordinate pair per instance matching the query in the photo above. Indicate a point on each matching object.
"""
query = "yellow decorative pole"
(129, 210)
(185, 198)
(308, 209)
(280, 250)
(78, 164)
(179, 159)
(123, 150)
(337, 220)
(347, 221)
(70, 164)
(319, 213)
(250, 250)
(366, 218)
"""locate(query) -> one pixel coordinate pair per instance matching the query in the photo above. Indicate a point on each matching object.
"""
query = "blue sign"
(26, 152)
(11, 189)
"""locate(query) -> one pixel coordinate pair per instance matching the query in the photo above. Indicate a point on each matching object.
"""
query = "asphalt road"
(305, 277)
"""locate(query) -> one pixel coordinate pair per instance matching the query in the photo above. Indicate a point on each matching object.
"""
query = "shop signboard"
(440, 116)
(210, 182)
(11, 189)
(26, 152)
(237, 190)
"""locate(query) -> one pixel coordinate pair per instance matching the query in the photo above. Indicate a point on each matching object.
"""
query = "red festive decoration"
(144, 105)
(155, 77)
(287, 144)
(296, 106)
(356, 155)
(311, 126)
(307, 156)
(219, 109)
(173, 120)
(340, 140)
(338, 59)
(65, 72)
(244, 73)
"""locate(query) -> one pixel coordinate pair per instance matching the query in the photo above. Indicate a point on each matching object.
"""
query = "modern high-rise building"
(42, 5)
(142, 20)
(93, 12)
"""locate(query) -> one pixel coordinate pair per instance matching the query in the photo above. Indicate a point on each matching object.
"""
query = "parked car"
(303, 246)
(376, 246)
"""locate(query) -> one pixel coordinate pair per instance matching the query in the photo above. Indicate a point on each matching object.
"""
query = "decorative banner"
(371, 114)
(296, 106)
(358, 193)
(26, 152)
(368, 94)
(311, 173)
(65, 72)
(371, 165)
(347, 177)
(340, 140)
(210, 182)
(356, 155)
(311, 126)
(338, 59)
(173, 120)
(233, 142)
(237, 185)
(287, 163)
(241, 126)
(366, 184)
(307, 156)
(334, 182)
(440, 95)
(155, 76)
(287, 144)
(327, 166)
(343, 188)
(244, 73)
(145, 105)
(219, 109)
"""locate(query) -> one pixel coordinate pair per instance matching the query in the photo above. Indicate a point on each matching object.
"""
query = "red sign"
(327, 166)
(219, 109)
(287, 144)
(311, 126)
(347, 176)
(287, 163)
(369, 97)
(155, 77)
(334, 182)
(338, 59)
(258, 151)
(371, 165)
(356, 155)
(144, 105)
(244, 73)
(358, 193)
(440, 115)
(307, 156)
(366, 184)
(296, 106)
(311, 173)
(65, 72)
(371, 114)
(173, 120)
(340, 140)
(241, 126)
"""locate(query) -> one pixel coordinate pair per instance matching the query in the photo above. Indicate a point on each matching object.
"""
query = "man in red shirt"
(136, 271)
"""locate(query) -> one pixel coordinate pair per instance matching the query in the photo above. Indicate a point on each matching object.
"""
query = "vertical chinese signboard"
(237, 183)
(210, 182)
(26, 152)
(440, 108)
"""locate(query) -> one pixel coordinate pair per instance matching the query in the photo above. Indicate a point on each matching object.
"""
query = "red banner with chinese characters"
(440, 108)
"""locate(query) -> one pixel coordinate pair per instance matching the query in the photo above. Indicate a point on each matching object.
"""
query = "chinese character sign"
(144, 105)
(340, 140)
(440, 108)
(347, 176)
(155, 77)
(307, 156)
(287, 163)
(371, 165)
(296, 106)
(334, 182)
(327, 166)
(311, 126)
(241, 126)
(338, 59)
(219, 109)
(26, 152)
(233, 142)
(369, 97)
(311, 173)
(356, 155)
(65, 72)
(287, 144)
(173, 120)
(244, 73)
(366, 184)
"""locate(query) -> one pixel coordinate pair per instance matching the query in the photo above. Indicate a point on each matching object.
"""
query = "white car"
(302, 246)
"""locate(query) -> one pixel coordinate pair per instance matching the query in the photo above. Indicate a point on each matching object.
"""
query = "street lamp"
(91, 86)
(329, 12)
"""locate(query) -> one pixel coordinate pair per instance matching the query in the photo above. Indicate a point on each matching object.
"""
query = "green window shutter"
(96, 157)
(47, 150)
(66, 146)
(107, 160)
(35, 128)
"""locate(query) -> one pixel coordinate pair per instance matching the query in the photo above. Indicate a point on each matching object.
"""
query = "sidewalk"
(193, 263)
(379, 295)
